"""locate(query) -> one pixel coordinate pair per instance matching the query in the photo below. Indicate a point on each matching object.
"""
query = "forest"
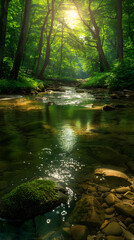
(66, 40)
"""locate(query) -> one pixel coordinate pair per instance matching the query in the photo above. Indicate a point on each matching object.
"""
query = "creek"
(65, 136)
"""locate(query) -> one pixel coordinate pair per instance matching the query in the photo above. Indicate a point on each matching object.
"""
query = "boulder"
(112, 177)
(31, 199)
(125, 208)
(87, 211)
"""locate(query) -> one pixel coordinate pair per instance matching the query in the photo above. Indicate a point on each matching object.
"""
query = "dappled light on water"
(67, 138)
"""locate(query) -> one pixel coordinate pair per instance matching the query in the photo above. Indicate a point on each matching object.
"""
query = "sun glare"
(71, 17)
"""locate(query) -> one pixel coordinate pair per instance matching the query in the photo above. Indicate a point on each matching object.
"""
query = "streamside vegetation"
(43, 40)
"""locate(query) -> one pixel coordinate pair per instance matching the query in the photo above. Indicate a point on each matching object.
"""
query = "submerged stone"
(107, 155)
(31, 199)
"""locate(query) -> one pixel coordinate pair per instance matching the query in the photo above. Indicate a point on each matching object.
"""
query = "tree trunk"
(95, 35)
(99, 45)
(22, 41)
(3, 24)
(119, 30)
(40, 76)
(61, 50)
(41, 42)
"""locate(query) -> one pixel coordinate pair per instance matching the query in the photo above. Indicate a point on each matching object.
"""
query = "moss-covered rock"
(31, 199)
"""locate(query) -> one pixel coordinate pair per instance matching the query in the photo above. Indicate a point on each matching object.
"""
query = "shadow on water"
(64, 135)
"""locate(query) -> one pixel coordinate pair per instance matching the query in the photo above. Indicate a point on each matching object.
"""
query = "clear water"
(61, 135)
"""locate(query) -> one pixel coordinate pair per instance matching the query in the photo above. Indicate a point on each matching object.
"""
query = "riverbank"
(26, 84)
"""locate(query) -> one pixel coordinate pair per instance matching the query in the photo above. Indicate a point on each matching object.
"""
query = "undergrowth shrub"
(96, 81)
(121, 76)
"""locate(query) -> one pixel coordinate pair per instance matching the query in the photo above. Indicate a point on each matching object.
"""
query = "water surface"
(62, 135)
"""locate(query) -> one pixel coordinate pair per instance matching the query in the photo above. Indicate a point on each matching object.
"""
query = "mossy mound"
(30, 199)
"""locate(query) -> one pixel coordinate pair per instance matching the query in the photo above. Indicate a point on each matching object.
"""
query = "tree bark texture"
(22, 41)
(41, 42)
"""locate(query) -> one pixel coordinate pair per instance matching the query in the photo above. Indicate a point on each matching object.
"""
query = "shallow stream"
(64, 136)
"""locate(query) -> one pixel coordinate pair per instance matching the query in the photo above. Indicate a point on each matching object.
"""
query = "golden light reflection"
(20, 103)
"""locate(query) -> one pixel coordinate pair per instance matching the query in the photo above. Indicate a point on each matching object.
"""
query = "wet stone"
(109, 210)
(121, 189)
(108, 108)
(91, 189)
(109, 216)
(66, 231)
(91, 237)
(125, 208)
(128, 235)
(129, 195)
(79, 232)
(128, 221)
(113, 177)
(106, 222)
(114, 238)
(131, 228)
(111, 199)
(104, 205)
(103, 189)
(113, 228)
(127, 201)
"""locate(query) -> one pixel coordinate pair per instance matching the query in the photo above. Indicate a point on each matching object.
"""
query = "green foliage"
(96, 81)
(24, 84)
(121, 76)
(6, 67)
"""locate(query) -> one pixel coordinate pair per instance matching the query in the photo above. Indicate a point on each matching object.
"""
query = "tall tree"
(119, 30)
(46, 61)
(94, 30)
(22, 41)
(41, 39)
(3, 25)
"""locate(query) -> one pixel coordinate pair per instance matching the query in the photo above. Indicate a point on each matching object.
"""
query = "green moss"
(30, 199)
